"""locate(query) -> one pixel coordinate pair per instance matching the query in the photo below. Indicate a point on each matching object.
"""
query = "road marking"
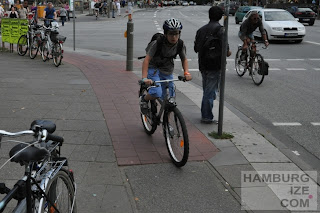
(295, 69)
(157, 25)
(286, 124)
(178, 59)
(192, 70)
(274, 69)
(296, 153)
(316, 69)
(272, 59)
(315, 123)
(159, 28)
(295, 59)
(314, 59)
(311, 42)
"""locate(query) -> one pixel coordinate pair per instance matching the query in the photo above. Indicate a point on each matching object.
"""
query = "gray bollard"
(129, 66)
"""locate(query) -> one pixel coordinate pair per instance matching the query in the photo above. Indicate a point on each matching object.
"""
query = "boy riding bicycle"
(158, 63)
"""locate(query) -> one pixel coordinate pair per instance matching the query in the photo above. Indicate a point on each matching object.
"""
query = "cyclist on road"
(97, 7)
(247, 28)
(49, 13)
(159, 64)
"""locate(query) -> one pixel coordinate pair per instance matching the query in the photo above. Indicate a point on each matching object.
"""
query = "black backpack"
(160, 39)
(212, 50)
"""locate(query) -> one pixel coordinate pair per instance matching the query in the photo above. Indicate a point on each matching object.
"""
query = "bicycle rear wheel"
(176, 136)
(148, 119)
(34, 47)
(44, 51)
(257, 74)
(22, 46)
(57, 54)
(241, 66)
(61, 193)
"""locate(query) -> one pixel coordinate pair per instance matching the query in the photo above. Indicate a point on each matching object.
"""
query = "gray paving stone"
(85, 153)
(116, 200)
(102, 174)
(106, 154)
(228, 156)
(99, 138)
(79, 169)
(266, 155)
(91, 198)
(75, 137)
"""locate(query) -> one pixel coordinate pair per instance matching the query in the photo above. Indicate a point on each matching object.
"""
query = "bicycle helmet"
(172, 24)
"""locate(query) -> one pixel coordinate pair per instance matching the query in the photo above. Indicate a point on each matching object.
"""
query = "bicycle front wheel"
(34, 47)
(22, 45)
(241, 67)
(176, 136)
(257, 73)
(57, 54)
(148, 118)
(61, 193)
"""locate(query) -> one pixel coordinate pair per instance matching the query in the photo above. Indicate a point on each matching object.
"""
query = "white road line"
(315, 123)
(274, 69)
(192, 70)
(157, 25)
(295, 69)
(272, 59)
(295, 59)
(159, 28)
(286, 124)
(296, 153)
(316, 69)
(311, 42)
(314, 59)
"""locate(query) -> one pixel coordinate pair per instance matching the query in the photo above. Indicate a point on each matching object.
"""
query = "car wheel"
(311, 23)
(237, 22)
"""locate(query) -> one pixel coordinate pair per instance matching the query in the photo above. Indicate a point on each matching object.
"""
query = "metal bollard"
(129, 44)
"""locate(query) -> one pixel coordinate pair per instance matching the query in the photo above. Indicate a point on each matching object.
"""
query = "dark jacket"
(201, 35)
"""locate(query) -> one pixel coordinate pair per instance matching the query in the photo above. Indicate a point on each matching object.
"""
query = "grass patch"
(223, 136)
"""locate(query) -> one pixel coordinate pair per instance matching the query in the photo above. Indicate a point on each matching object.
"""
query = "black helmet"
(172, 24)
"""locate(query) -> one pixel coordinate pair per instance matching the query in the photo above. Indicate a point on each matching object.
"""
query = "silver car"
(279, 25)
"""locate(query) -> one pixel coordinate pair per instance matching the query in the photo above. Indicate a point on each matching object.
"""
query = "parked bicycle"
(173, 124)
(252, 61)
(47, 185)
(51, 47)
(25, 42)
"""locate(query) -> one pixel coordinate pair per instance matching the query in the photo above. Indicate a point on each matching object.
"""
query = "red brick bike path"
(117, 92)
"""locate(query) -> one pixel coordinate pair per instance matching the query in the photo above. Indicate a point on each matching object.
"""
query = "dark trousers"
(63, 19)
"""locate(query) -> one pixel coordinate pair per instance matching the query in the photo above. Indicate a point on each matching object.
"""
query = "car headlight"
(301, 28)
(277, 28)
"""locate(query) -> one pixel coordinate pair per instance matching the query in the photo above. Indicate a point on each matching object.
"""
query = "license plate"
(290, 34)
(306, 19)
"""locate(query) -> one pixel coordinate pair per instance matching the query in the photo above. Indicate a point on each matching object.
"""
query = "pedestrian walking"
(63, 15)
(22, 12)
(210, 68)
(114, 7)
(68, 10)
(118, 8)
(13, 13)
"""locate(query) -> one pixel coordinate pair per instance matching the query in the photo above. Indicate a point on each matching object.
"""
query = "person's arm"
(44, 13)
(145, 66)
(185, 67)
(55, 14)
(263, 34)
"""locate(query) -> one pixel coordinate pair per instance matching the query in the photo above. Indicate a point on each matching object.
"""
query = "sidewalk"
(119, 168)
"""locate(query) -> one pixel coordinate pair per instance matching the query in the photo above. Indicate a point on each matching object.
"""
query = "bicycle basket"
(56, 38)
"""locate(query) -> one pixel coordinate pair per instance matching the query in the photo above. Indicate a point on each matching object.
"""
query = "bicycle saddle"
(45, 124)
(30, 154)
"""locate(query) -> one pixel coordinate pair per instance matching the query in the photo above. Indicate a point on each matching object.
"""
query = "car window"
(305, 10)
(246, 9)
(278, 16)
(247, 15)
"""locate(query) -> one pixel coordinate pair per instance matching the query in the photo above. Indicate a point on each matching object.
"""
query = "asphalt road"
(287, 104)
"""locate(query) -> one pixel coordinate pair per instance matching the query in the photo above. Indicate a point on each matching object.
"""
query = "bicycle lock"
(129, 35)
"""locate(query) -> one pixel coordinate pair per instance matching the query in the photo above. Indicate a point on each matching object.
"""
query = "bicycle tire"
(256, 74)
(148, 119)
(44, 51)
(176, 136)
(22, 46)
(57, 54)
(57, 198)
(241, 67)
(34, 47)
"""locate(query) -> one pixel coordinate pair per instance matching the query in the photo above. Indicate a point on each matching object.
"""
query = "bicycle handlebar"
(47, 137)
(180, 78)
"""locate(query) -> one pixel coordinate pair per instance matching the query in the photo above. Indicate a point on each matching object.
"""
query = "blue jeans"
(210, 82)
(156, 75)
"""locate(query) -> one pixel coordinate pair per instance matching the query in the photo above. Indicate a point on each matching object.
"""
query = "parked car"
(185, 3)
(305, 15)
(279, 24)
(242, 11)
(232, 9)
(191, 3)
